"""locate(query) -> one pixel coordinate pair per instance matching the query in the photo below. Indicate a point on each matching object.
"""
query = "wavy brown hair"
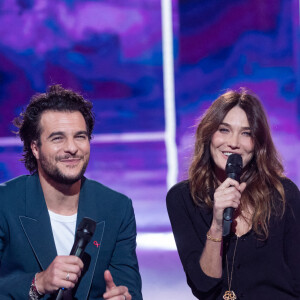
(56, 99)
(264, 191)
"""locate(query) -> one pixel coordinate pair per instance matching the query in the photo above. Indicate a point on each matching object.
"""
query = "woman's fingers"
(228, 194)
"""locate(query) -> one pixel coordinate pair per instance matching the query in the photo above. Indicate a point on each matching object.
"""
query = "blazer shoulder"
(14, 181)
(12, 194)
(105, 191)
(15, 185)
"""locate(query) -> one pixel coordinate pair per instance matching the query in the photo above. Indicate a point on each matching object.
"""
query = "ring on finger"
(68, 276)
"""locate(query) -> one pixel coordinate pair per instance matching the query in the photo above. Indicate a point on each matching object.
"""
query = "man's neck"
(60, 198)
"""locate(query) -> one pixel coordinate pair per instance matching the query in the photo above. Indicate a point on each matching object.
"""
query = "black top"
(262, 269)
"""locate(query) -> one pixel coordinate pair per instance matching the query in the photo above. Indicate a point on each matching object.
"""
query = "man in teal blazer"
(34, 254)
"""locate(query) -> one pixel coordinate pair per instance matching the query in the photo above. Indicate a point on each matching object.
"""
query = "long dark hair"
(56, 99)
(264, 171)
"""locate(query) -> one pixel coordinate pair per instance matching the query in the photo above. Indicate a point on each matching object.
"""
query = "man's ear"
(35, 149)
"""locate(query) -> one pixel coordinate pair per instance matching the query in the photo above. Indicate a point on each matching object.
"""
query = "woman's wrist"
(213, 239)
(215, 230)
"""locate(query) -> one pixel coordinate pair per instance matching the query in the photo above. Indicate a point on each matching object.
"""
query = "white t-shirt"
(63, 228)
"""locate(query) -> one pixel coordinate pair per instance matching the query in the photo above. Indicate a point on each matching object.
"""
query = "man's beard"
(54, 173)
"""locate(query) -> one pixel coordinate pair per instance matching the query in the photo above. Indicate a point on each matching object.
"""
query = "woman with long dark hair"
(260, 258)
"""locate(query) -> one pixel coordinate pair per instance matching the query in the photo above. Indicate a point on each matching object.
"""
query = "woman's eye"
(223, 130)
(247, 133)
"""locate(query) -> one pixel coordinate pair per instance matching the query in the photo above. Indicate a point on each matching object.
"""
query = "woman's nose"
(233, 141)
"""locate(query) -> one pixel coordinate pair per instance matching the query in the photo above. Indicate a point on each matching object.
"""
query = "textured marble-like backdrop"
(111, 52)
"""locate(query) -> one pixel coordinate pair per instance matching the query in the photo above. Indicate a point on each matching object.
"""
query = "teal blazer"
(27, 244)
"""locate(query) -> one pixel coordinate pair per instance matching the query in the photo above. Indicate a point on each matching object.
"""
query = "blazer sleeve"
(15, 286)
(292, 233)
(12, 285)
(182, 213)
(124, 265)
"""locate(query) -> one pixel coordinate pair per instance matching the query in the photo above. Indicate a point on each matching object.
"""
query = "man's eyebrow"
(55, 133)
(81, 132)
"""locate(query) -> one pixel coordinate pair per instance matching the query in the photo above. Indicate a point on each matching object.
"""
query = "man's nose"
(71, 146)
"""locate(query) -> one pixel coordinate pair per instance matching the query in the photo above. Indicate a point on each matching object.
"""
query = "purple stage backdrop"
(111, 52)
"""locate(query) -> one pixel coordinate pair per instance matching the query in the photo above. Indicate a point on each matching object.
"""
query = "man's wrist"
(34, 293)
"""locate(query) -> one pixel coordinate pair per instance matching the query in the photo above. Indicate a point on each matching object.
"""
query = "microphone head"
(86, 229)
(83, 235)
(234, 165)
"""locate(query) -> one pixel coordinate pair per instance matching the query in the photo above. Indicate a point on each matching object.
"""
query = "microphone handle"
(228, 212)
(83, 235)
(227, 220)
(77, 252)
(60, 294)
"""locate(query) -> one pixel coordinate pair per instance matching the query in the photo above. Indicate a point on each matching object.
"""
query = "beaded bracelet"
(213, 239)
(34, 293)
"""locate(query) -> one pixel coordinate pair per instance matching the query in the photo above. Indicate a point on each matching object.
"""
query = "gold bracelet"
(213, 239)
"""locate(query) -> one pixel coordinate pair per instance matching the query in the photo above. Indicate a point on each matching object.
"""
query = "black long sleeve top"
(266, 270)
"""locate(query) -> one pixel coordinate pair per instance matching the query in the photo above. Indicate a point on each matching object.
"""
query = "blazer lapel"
(87, 208)
(36, 223)
(90, 258)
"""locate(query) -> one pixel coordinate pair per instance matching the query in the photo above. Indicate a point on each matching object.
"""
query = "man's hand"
(114, 292)
(63, 272)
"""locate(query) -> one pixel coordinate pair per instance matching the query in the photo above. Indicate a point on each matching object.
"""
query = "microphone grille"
(86, 228)
(234, 164)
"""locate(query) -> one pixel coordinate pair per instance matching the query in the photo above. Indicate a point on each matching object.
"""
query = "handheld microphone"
(233, 170)
(83, 235)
